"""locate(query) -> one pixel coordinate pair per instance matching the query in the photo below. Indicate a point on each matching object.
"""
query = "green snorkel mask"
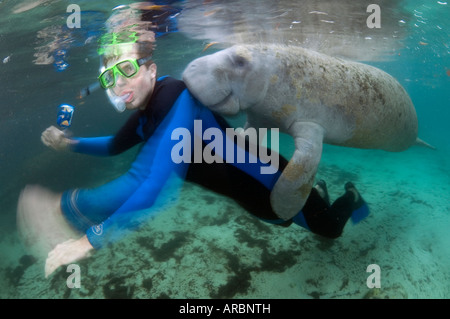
(117, 44)
(127, 68)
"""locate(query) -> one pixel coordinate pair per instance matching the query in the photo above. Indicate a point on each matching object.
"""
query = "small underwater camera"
(65, 113)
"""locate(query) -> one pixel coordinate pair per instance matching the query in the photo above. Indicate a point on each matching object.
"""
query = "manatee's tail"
(420, 142)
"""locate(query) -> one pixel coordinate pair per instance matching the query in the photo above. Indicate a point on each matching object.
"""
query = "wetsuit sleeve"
(150, 173)
(126, 138)
(98, 146)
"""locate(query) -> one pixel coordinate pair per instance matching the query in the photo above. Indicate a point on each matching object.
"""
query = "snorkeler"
(102, 215)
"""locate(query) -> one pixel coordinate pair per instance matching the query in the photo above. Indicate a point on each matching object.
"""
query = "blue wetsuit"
(106, 212)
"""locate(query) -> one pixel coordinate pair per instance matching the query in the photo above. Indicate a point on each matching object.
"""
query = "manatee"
(313, 97)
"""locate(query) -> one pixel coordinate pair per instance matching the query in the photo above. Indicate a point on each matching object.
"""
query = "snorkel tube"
(88, 90)
(118, 102)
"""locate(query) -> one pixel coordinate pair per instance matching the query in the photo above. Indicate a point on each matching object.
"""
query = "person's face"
(139, 87)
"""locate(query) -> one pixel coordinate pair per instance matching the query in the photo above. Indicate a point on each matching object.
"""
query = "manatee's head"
(230, 80)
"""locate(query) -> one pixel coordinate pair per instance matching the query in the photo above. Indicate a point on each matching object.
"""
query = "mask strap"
(142, 61)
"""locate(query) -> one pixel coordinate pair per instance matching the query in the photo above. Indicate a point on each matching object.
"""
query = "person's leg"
(86, 207)
(252, 191)
(242, 182)
(234, 183)
(317, 215)
(40, 222)
(329, 221)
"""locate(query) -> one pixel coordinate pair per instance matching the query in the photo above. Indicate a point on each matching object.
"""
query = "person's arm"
(139, 193)
(97, 146)
(152, 168)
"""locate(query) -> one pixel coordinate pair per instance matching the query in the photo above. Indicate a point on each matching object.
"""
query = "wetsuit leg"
(241, 182)
(254, 196)
(328, 221)
(84, 208)
(232, 182)
(317, 215)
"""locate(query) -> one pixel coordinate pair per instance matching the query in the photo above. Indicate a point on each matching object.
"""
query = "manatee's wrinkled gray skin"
(313, 97)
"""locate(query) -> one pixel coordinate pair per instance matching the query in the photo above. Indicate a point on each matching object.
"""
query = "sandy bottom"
(208, 247)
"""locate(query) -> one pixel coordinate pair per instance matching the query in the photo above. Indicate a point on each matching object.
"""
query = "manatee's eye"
(240, 61)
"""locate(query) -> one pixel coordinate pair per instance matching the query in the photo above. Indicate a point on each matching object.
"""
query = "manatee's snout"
(190, 72)
(196, 78)
(206, 79)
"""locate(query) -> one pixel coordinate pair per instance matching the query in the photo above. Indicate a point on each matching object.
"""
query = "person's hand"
(55, 138)
(66, 253)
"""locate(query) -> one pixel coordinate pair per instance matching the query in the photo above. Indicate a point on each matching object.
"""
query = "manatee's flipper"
(294, 185)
